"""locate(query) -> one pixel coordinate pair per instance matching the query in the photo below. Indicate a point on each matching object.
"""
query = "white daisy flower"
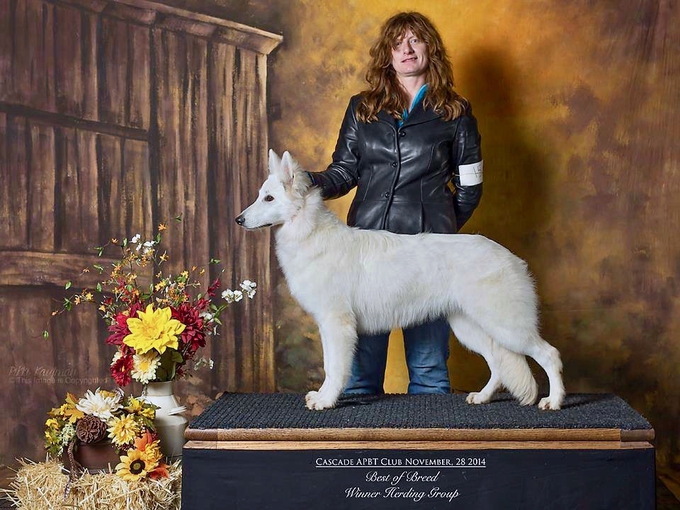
(135, 239)
(100, 404)
(144, 366)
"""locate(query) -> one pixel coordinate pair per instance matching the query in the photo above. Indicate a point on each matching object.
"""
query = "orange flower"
(161, 471)
(149, 448)
(150, 452)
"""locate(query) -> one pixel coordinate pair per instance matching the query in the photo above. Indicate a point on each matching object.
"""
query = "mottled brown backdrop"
(578, 104)
(578, 107)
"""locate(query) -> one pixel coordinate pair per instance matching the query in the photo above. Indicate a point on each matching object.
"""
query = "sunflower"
(133, 466)
(123, 430)
(153, 329)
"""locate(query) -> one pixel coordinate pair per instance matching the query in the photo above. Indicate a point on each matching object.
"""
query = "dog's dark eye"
(268, 198)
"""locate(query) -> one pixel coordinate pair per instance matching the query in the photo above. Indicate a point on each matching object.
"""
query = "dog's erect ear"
(274, 162)
(288, 167)
(296, 179)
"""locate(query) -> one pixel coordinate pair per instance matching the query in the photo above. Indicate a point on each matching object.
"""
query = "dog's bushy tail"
(516, 376)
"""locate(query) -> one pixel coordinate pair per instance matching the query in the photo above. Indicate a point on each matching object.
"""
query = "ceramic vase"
(170, 421)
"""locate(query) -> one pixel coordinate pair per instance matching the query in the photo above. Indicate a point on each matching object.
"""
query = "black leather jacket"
(403, 173)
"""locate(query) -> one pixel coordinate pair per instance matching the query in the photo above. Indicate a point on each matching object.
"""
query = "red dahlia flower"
(119, 329)
(121, 369)
(193, 336)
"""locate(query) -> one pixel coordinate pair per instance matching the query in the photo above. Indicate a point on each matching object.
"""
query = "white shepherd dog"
(351, 280)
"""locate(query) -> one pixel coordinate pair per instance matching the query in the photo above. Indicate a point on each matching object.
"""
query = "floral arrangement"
(157, 327)
(127, 422)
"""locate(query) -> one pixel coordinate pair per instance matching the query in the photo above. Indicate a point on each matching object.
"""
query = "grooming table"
(267, 451)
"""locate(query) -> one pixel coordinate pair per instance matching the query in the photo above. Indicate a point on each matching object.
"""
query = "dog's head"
(280, 197)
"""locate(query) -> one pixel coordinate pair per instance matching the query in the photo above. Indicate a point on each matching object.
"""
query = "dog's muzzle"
(240, 220)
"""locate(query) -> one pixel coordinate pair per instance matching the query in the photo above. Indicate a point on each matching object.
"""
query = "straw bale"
(41, 486)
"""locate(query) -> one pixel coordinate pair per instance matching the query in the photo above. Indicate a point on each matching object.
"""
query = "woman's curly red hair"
(386, 93)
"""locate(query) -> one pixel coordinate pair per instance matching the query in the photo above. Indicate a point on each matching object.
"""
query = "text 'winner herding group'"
(407, 462)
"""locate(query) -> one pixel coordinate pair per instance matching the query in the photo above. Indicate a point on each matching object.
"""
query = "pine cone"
(90, 429)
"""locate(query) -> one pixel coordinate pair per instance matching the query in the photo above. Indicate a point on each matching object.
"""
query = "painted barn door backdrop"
(116, 116)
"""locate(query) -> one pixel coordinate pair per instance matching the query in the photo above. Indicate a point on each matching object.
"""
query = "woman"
(411, 147)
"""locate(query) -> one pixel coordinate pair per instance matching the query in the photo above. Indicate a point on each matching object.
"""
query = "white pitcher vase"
(170, 421)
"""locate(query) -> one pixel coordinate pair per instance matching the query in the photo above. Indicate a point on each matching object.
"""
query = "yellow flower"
(123, 430)
(149, 449)
(109, 394)
(148, 412)
(154, 329)
(69, 410)
(152, 454)
(134, 406)
(133, 466)
(52, 423)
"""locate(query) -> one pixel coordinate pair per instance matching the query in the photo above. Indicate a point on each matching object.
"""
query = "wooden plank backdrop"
(115, 116)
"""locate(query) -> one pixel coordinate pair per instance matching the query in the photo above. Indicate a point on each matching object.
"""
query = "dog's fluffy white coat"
(367, 281)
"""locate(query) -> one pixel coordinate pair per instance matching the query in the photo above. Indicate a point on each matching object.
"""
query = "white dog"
(351, 280)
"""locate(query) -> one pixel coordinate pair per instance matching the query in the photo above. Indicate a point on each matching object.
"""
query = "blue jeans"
(427, 349)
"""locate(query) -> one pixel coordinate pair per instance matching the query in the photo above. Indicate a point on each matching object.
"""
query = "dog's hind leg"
(507, 368)
(338, 338)
(549, 358)
(475, 339)
(528, 342)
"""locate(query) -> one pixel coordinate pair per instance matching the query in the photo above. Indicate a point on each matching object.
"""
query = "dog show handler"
(410, 146)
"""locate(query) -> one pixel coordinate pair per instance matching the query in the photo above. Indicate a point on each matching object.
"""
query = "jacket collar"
(417, 116)
(420, 114)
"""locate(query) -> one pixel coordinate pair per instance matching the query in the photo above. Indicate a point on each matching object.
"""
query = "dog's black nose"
(240, 220)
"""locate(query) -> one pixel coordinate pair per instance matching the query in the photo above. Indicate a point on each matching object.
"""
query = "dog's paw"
(316, 401)
(476, 398)
(548, 404)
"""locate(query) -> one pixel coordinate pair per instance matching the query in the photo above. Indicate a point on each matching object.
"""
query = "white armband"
(471, 175)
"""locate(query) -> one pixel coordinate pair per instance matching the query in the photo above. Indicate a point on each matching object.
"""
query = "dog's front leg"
(338, 339)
